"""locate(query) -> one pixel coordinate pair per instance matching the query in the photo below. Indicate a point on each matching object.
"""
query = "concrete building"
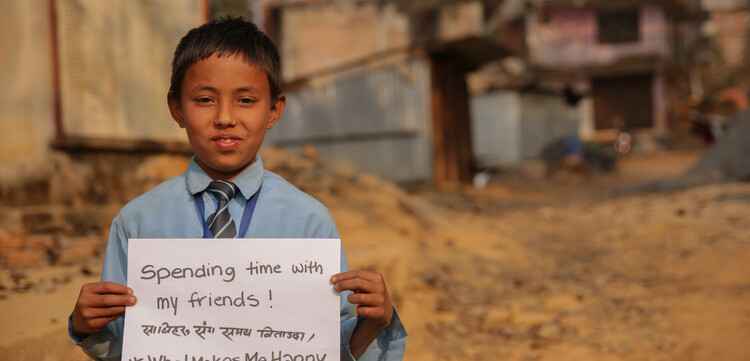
(85, 79)
(511, 126)
(619, 50)
(379, 86)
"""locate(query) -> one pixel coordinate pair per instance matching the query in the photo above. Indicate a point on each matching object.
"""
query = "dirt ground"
(528, 268)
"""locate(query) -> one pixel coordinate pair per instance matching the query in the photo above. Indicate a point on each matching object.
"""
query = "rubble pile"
(349, 194)
(639, 277)
(726, 160)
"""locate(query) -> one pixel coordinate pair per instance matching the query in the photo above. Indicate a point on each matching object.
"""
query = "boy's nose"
(225, 115)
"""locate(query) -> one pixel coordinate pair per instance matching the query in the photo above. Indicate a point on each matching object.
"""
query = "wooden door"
(451, 124)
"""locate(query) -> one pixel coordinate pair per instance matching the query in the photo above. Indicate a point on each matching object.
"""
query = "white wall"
(496, 128)
(510, 126)
(115, 66)
(544, 118)
(26, 118)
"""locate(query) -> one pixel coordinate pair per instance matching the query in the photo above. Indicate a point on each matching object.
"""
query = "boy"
(225, 92)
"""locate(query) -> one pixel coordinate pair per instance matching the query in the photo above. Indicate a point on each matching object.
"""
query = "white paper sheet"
(232, 300)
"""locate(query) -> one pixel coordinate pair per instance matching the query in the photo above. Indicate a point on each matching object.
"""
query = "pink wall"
(569, 38)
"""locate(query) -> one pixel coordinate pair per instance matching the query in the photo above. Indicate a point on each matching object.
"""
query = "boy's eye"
(247, 100)
(203, 100)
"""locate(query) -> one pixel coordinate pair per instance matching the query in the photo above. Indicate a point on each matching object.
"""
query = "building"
(619, 52)
(380, 86)
(728, 24)
(511, 125)
(83, 104)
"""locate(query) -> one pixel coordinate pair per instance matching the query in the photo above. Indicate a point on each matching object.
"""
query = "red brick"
(13, 258)
(80, 250)
(11, 240)
(40, 241)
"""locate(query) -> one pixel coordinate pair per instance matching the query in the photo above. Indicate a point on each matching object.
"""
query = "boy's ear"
(276, 110)
(175, 108)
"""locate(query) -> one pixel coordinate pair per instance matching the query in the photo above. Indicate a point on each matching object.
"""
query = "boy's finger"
(107, 288)
(112, 300)
(371, 276)
(366, 299)
(109, 312)
(372, 312)
(112, 312)
(99, 323)
(358, 285)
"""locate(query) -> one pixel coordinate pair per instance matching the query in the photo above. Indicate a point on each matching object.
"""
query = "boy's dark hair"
(225, 37)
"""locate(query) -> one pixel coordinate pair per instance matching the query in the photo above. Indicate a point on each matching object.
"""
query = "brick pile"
(47, 236)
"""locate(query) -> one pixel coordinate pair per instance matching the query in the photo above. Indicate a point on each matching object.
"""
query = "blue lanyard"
(246, 215)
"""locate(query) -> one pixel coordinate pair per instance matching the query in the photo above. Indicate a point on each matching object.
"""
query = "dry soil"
(528, 268)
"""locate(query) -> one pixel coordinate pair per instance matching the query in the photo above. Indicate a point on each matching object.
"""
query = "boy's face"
(225, 108)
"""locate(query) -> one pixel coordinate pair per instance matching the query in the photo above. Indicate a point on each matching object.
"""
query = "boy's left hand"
(370, 295)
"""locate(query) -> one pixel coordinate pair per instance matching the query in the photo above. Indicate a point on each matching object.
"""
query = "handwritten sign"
(232, 300)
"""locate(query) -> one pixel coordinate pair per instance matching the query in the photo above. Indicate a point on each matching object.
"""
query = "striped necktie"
(220, 222)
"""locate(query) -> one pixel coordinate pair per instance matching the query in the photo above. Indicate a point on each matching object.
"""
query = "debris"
(726, 160)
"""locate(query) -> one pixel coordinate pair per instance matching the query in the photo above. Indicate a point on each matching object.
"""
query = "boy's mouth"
(224, 140)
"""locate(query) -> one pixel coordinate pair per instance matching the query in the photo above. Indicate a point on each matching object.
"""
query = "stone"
(23, 258)
(562, 303)
(532, 319)
(496, 318)
(10, 240)
(549, 331)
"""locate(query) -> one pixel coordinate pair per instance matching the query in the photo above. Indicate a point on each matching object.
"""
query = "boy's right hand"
(100, 303)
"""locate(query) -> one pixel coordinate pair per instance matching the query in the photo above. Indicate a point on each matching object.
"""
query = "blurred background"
(536, 179)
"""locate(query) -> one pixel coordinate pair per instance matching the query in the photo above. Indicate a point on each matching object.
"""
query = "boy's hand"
(100, 303)
(370, 295)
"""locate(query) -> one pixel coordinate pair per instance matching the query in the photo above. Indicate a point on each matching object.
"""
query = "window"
(618, 27)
